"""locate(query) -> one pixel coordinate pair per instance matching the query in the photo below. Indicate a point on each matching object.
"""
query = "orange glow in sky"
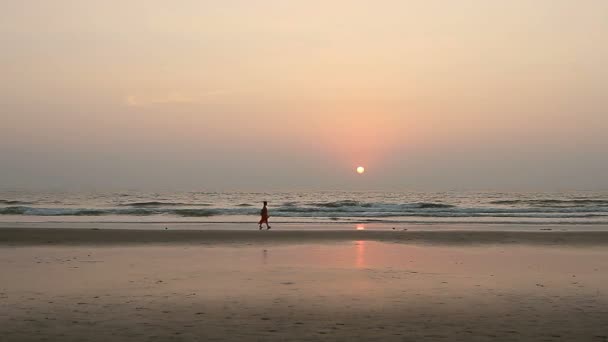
(235, 95)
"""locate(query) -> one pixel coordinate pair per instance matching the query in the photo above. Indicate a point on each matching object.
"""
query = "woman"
(264, 214)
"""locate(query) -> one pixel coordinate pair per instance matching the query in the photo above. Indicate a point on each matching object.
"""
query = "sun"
(360, 170)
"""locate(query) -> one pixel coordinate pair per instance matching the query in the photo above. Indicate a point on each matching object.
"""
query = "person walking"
(264, 214)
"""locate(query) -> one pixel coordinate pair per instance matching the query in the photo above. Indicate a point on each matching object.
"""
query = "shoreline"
(310, 226)
(604, 225)
(97, 236)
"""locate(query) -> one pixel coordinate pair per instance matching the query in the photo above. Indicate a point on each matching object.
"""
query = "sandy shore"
(109, 285)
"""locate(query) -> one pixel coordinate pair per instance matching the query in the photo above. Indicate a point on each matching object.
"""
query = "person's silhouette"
(264, 214)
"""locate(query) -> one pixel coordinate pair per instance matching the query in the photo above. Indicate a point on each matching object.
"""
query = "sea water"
(575, 207)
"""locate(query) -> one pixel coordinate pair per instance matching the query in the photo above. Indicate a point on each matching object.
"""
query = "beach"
(100, 284)
(303, 171)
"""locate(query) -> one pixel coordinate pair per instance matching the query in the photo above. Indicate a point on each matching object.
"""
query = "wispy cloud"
(170, 98)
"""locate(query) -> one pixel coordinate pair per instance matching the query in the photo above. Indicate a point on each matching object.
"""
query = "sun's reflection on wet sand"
(360, 245)
(360, 258)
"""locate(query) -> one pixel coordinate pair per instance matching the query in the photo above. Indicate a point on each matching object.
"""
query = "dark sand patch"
(61, 236)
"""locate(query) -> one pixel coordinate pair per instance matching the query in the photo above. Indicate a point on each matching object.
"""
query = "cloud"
(169, 98)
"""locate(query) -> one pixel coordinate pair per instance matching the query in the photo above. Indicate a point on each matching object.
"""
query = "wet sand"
(96, 236)
(77, 285)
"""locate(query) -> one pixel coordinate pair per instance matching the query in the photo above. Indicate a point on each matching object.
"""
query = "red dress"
(264, 214)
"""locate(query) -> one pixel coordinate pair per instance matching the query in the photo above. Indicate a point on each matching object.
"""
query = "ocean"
(508, 208)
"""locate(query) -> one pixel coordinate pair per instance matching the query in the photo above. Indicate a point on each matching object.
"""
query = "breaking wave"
(352, 203)
(13, 202)
(553, 202)
(339, 204)
(164, 204)
(424, 205)
(327, 210)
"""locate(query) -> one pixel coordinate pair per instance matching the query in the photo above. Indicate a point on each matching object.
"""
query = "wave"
(164, 204)
(424, 205)
(73, 212)
(13, 202)
(427, 210)
(12, 211)
(553, 202)
(31, 211)
(339, 204)
(352, 203)
(50, 211)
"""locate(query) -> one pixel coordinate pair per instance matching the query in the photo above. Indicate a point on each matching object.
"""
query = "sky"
(256, 95)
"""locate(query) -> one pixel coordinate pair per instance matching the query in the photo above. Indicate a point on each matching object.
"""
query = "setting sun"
(360, 169)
